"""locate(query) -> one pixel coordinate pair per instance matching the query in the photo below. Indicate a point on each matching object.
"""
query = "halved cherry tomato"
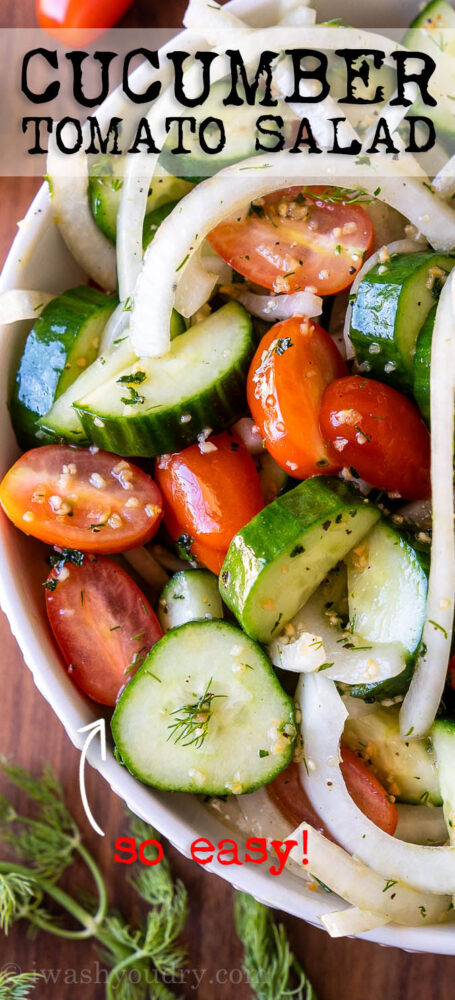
(294, 363)
(296, 239)
(102, 623)
(363, 786)
(89, 18)
(210, 491)
(379, 432)
(75, 499)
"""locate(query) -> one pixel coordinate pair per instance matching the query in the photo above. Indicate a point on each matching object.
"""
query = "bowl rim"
(286, 893)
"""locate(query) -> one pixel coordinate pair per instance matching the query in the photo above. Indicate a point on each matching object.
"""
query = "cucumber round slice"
(169, 401)
(278, 560)
(205, 713)
(406, 769)
(384, 613)
(188, 596)
(392, 303)
(61, 344)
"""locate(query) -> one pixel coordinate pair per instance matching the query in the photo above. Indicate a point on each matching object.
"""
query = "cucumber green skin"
(105, 193)
(153, 221)
(48, 364)
(270, 538)
(395, 685)
(389, 310)
(436, 8)
(160, 431)
(175, 640)
(422, 366)
(105, 201)
(147, 436)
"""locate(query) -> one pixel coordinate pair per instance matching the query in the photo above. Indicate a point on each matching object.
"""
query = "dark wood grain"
(30, 732)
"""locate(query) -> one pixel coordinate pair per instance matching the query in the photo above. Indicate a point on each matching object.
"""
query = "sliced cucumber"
(105, 189)
(190, 595)
(62, 342)
(428, 33)
(406, 769)
(62, 420)
(443, 739)
(278, 560)
(381, 611)
(153, 221)
(240, 128)
(274, 481)
(167, 402)
(321, 638)
(392, 303)
(205, 713)
(422, 365)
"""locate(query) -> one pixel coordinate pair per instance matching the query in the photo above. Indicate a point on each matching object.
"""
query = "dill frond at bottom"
(273, 971)
(17, 986)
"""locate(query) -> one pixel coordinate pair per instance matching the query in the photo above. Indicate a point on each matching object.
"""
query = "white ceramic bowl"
(38, 259)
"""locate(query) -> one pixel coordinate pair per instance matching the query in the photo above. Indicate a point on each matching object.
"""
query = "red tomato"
(69, 497)
(380, 433)
(294, 363)
(89, 17)
(209, 495)
(102, 623)
(297, 239)
(363, 787)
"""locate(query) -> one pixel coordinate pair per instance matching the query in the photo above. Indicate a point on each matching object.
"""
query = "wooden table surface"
(30, 732)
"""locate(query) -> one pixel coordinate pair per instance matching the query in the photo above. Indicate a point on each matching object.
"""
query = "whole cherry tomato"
(379, 432)
(294, 363)
(297, 238)
(210, 491)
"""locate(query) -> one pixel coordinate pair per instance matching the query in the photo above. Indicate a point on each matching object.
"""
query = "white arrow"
(93, 728)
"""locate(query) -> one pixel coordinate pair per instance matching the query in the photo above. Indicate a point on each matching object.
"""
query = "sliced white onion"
(310, 642)
(181, 234)
(275, 308)
(247, 431)
(19, 304)
(139, 170)
(215, 264)
(345, 923)
(68, 177)
(262, 818)
(398, 246)
(116, 327)
(149, 569)
(444, 182)
(430, 869)
(362, 887)
(299, 17)
(424, 695)
(195, 286)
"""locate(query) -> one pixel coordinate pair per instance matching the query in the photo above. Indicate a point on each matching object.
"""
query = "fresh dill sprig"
(337, 195)
(14, 986)
(273, 971)
(192, 723)
(49, 842)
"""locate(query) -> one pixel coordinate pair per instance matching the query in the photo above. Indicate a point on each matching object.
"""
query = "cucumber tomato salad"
(238, 449)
